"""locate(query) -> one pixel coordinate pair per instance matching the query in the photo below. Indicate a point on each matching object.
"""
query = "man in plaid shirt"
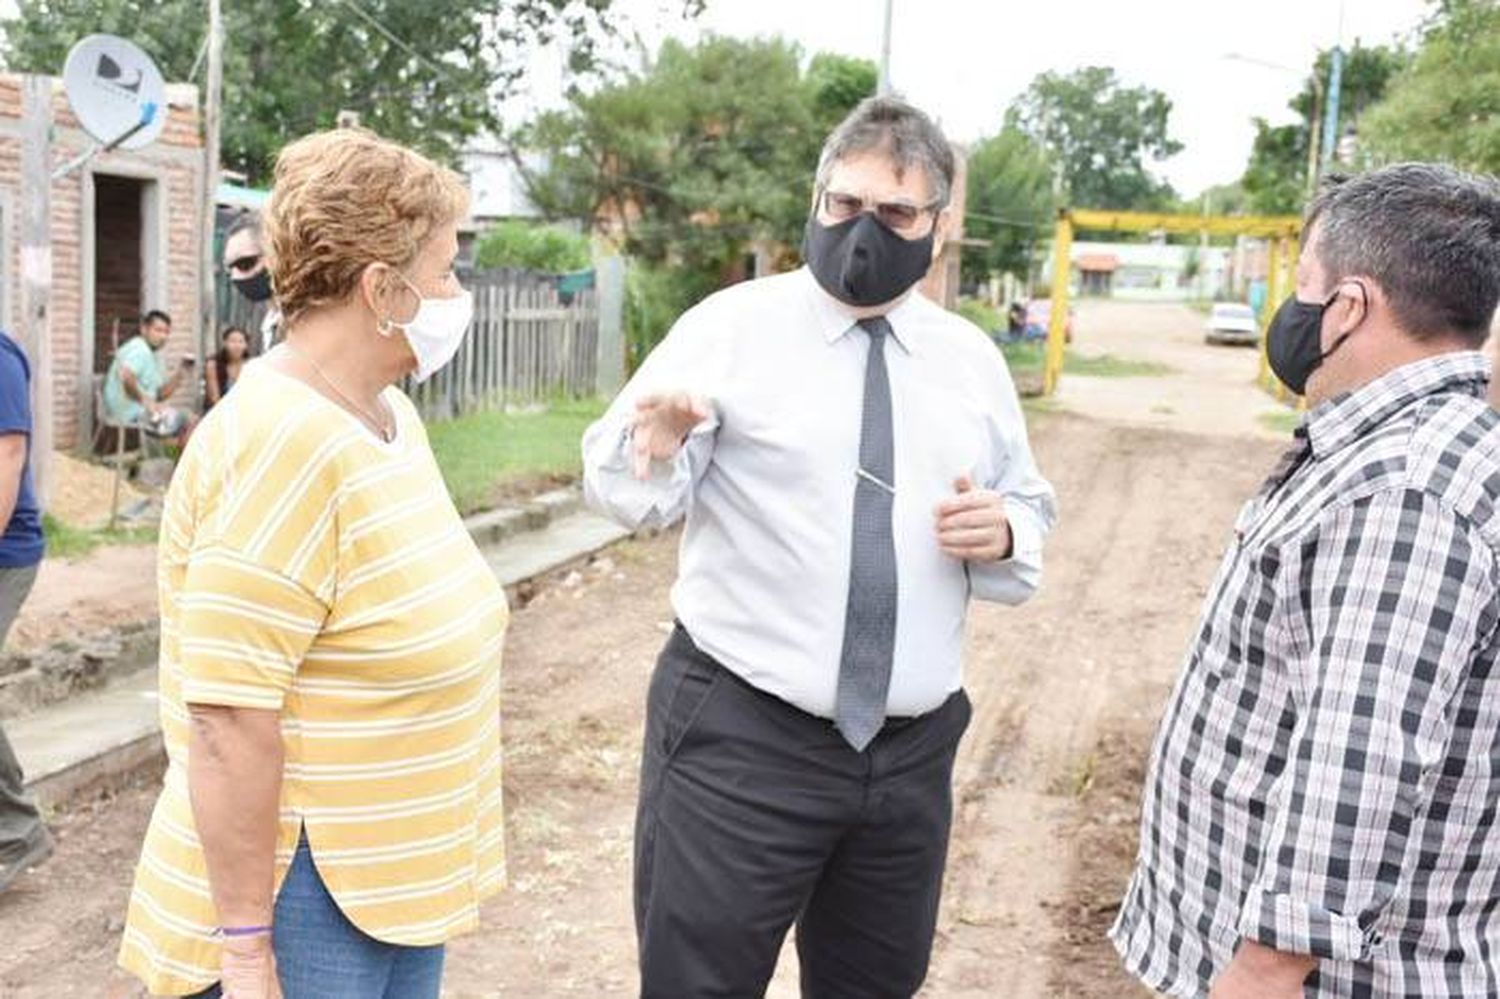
(1319, 817)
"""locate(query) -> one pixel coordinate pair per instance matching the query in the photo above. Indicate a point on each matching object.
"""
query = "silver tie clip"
(879, 483)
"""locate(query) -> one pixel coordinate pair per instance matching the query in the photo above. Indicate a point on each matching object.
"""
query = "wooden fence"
(527, 345)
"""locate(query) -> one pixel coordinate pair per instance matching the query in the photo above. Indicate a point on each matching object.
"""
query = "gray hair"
(248, 220)
(1429, 234)
(890, 125)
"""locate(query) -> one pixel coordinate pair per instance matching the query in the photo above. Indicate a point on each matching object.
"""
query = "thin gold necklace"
(383, 431)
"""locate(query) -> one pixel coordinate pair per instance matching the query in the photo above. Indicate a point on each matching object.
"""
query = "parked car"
(1232, 322)
(1039, 320)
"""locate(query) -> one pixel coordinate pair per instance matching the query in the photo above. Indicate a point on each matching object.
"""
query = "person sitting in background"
(224, 370)
(134, 389)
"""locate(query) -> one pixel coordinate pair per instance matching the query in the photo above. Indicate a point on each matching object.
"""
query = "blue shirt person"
(21, 543)
(24, 840)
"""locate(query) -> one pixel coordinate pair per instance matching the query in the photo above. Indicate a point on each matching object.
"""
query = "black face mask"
(861, 262)
(1294, 341)
(256, 287)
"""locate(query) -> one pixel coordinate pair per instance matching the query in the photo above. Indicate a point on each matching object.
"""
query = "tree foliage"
(690, 160)
(708, 149)
(423, 72)
(1446, 104)
(1010, 203)
(1275, 178)
(1102, 133)
(532, 247)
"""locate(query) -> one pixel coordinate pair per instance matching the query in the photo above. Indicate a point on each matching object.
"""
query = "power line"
(394, 39)
(1004, 220)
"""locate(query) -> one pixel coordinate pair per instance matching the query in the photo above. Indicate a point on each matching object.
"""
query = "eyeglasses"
(898, 215)
(243, 264)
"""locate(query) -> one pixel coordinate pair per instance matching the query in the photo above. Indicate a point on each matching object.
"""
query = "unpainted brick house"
(126, 237)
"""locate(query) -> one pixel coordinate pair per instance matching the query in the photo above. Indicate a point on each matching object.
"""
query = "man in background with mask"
(245, 263)
(852, 463)
(1319, 815)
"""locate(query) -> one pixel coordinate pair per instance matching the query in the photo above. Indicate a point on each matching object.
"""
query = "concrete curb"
(96, 741)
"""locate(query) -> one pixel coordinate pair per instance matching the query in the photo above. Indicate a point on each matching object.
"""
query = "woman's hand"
(247, 967)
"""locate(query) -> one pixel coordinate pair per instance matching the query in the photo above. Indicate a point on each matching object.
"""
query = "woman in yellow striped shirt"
(331, 636)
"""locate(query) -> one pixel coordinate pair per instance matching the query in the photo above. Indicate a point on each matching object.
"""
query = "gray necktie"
(870, 621)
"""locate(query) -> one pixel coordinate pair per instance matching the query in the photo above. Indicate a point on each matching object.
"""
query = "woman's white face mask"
(437, 330)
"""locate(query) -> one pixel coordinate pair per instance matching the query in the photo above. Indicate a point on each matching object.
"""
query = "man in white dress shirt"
(852, 463)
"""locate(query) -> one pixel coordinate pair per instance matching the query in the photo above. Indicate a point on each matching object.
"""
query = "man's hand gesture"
(662, 423)
(973, 525)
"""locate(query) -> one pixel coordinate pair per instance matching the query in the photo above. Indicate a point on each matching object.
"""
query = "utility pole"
(36, 268)
(1314, 153)
(213, 96)
(885, 52)
(1331, 120)
(1335, 81)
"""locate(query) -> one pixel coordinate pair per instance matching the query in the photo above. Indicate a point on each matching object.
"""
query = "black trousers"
(754, 815)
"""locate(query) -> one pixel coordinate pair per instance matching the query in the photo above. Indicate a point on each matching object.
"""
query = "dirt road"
(1067, 690)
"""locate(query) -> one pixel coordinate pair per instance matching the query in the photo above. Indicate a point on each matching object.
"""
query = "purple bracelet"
(243, 931)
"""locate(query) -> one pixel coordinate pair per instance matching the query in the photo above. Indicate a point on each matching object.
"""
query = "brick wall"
(174, 164)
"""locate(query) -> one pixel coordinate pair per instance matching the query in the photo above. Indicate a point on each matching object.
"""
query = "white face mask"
(437, 330)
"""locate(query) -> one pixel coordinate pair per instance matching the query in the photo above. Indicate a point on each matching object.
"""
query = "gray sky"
(964, 60)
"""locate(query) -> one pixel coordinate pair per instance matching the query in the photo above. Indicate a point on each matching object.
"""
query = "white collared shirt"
(767, 484)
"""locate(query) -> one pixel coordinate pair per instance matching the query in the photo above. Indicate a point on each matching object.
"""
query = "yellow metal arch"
(1282, 231)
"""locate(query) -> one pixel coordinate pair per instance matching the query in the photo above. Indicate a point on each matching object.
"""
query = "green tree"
(532, 247)
(1275, 177)
(1446, 105)
(1221, 199)
(1010, 203)
(691, 160)
(1102, 134)
(836, 83)
(708, 149)
(423, 72)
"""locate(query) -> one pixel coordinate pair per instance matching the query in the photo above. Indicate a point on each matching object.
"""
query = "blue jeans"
(320, 954)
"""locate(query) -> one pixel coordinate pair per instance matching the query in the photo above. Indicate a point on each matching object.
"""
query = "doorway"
(119, 263)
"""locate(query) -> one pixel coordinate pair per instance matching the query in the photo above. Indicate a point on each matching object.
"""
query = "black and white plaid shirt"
(1327, 775)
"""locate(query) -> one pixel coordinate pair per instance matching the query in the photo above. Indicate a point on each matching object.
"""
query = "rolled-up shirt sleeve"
(680, 363)
(1387, 600)
(1030, 503)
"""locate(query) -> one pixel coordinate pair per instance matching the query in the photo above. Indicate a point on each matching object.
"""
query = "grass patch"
(1028, 358)
(1280, 421)
(67, 541)
(483, 453)
(1023, 357)
(1109, 366)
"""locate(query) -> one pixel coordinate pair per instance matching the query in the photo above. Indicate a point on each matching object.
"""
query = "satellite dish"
(116, 90)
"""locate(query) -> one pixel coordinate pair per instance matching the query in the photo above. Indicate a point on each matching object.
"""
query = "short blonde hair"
(345, 199)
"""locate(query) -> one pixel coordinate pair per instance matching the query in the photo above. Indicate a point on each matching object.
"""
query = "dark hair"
(155, 316)
(900, 130)
(1429, 234)
(246, 221)
(222, 354)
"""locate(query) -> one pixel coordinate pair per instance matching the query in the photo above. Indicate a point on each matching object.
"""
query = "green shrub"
(533, 247)
(981, 314)
(654, 298)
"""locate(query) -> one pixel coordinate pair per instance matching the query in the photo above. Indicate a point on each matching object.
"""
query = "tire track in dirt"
(1126, 570)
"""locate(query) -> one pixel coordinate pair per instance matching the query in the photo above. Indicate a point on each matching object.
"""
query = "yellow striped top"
(308, 568)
